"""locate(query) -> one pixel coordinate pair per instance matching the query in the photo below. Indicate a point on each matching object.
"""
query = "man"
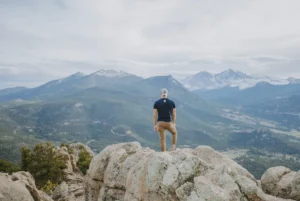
(164, 117)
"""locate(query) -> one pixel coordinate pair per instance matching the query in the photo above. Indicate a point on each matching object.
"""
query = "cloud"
(57, 38)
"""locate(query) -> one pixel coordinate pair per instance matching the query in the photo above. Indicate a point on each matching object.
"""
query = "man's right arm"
(174, 115)
(155, 117)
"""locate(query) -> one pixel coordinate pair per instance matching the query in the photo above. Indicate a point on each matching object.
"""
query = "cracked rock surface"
(128, 172)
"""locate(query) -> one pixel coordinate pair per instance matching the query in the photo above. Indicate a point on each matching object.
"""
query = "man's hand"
(155, 128)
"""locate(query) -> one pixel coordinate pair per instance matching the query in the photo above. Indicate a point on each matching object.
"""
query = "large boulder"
(128, 172)
(282, 182)
(20, 187)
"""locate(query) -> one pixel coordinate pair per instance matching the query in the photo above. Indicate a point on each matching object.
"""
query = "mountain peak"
(204, 74)
(173, 80)
(230, 70)
(230, 73)
(78, 74)
(111, 73)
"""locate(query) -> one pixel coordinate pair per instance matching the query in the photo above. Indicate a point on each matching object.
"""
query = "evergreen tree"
(43, 163)
(84, 161)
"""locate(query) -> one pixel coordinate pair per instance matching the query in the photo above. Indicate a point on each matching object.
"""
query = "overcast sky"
(42, 40)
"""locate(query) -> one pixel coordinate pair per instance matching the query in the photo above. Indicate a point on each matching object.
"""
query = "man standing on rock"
(164, 117)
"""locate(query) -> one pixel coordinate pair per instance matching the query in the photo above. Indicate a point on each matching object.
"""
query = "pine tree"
(84, 160)
(43, 163)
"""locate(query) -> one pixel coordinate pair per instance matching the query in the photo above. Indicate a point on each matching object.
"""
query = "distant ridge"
(230, 78)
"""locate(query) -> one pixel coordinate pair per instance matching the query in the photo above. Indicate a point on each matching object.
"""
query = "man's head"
(164, 93)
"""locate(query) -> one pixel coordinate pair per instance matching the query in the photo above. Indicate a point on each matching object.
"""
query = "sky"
(42, 40)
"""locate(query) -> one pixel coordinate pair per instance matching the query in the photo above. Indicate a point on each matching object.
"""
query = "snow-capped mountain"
(100, 78)
(108, 79)
(232, 78)
(111, 73)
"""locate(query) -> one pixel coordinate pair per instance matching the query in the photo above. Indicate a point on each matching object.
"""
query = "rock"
(20, 186)
(61, 192)
(77, 148)
(282, 182)
(73, 186)
(2, 198)
(185, 192)
(71, 168)
(259, 184)
(102, 163)
(206, 190)
(107, 194)
(129, 172)
(28, 180)
(44, 196)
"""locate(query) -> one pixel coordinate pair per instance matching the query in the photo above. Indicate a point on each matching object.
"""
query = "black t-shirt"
(164, 108)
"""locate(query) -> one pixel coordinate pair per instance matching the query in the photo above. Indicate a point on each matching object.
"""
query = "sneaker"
(173, 147)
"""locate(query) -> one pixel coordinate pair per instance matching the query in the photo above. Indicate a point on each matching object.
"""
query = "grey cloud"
(266, 59)
(60, 37)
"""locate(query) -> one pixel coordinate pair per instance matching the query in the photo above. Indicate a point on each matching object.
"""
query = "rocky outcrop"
(20, 186)
(282, 182)
(72, 189)
(128, 172)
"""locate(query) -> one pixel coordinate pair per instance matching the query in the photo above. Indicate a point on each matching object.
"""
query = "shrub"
(49, 187)
(84, 160)
(8, 167)
(43, 163)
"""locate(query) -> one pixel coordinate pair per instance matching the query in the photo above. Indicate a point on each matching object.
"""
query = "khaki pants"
(162, 126)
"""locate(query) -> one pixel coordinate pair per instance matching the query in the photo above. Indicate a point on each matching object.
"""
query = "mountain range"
(75, 82)
(93, 108)
(230, 78)
(111, 106)
(203, 80)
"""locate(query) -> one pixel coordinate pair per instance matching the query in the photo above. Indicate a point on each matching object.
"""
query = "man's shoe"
(173, 147)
